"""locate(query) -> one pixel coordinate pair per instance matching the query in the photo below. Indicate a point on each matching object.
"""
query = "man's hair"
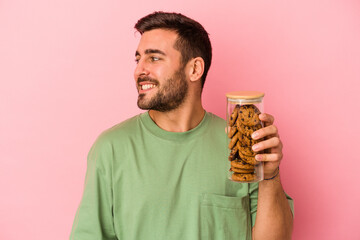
(193, 40)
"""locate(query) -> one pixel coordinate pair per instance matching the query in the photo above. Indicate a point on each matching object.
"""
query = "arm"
(274, 218)
(94, 218)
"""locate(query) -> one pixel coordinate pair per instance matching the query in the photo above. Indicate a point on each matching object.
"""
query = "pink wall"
(66, 74)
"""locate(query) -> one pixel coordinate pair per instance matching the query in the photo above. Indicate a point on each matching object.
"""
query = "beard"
(169, 96)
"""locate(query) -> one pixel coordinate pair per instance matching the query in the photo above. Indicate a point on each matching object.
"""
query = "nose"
(141, 69)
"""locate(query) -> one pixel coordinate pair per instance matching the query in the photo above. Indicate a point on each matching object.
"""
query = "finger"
(266, 118)
(264, 132)
(270, 143)
(272, 157)
(227, 129)
(277, 149)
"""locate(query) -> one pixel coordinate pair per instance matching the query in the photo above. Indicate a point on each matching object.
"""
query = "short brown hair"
(193, 40)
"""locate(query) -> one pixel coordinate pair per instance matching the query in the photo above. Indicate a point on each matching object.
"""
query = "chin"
(143, 104)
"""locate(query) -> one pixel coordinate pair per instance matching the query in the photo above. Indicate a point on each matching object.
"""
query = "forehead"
(160, 39)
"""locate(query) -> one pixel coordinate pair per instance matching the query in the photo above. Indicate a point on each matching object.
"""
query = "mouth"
(146, 86)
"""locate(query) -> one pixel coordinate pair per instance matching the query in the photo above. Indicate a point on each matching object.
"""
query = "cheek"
(166, 71)
(158, 71)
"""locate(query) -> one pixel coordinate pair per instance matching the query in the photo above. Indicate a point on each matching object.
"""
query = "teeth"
(147, 86)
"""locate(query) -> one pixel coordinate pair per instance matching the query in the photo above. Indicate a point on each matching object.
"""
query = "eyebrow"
(149, 51)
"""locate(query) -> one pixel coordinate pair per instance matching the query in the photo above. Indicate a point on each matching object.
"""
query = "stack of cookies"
(243, 121)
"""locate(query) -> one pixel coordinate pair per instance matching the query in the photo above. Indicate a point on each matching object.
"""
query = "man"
(163, 174)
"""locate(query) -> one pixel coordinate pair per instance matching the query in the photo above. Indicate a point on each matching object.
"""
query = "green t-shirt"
(144, 183)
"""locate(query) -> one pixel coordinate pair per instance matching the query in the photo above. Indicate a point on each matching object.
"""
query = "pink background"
(66, 71)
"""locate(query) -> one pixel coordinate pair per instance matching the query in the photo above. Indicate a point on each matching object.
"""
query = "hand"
(271, 145)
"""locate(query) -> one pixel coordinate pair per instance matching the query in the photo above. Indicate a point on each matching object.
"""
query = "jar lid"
(245, 95)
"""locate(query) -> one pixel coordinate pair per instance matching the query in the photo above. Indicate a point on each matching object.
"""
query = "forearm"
(274, 218)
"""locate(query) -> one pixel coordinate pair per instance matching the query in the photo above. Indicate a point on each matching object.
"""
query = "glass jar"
(242, 116)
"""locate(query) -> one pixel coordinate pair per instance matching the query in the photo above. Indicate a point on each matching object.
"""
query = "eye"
(137, 59)
(154, 59)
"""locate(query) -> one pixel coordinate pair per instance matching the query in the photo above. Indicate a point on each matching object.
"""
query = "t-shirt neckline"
(178, 136)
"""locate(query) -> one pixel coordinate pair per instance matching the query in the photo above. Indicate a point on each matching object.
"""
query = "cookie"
(249, 115)
(247, 130)
(234, 115)
(238, 163)
(246, 141)
(233, 154)
(245, 133)
(243, 177)
(248, 159)
(232, 131)
(245, 150)
(233, 141)
(240, 170)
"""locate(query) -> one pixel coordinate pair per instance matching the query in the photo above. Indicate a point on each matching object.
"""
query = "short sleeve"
(94, 218)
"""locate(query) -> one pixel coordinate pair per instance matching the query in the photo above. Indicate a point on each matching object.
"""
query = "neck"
(182, 119)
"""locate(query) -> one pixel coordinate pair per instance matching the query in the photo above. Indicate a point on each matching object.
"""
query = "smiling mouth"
(147, 86)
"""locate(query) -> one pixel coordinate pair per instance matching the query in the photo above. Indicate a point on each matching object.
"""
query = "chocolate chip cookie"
(238, 163)
(249, 115)
(243, 177)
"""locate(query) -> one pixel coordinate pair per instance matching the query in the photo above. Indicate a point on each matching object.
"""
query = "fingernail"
(258, 157)
(255, 147)
(255, 135)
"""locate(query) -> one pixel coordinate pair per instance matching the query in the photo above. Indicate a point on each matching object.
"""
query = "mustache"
(147, 79)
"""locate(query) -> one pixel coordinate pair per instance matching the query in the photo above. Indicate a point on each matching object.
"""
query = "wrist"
(273, 176)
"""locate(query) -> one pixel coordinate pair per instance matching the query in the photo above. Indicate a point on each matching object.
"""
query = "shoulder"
(216, 129)
(113, 140)
(117, 134)
(216, 121)
(120, 130)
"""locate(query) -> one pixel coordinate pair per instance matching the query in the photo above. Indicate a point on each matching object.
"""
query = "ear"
(196, 68)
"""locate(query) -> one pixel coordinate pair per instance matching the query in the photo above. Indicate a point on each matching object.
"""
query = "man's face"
(159, 74)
